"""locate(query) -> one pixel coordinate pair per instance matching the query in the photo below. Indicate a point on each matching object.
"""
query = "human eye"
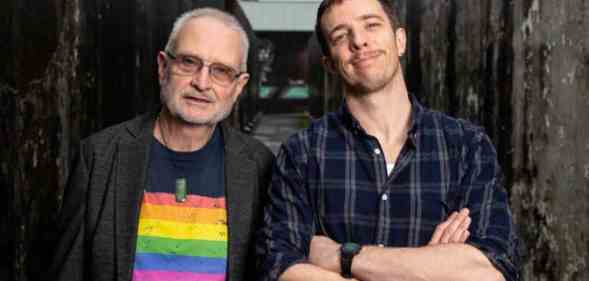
(373, 24)
(190, 62)
(338, 38)
(189, 65)
(222, 72)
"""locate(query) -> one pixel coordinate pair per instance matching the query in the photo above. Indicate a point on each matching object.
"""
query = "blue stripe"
(180, 263)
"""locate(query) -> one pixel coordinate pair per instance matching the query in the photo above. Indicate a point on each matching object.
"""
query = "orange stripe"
(183, 214)
(194, 201)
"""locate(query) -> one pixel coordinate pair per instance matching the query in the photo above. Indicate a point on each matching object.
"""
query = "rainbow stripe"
(181, 241)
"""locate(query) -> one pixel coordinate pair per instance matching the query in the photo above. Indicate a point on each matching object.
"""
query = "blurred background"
(519, 68)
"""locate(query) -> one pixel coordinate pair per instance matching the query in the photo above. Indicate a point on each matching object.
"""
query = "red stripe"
(193, 201)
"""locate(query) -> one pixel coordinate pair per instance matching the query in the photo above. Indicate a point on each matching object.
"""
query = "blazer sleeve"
(68, 259)
(265, 160)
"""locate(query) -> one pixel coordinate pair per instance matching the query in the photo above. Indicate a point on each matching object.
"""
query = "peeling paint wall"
(551, 190)
(42, 124)
(460, 60)
(521, 70)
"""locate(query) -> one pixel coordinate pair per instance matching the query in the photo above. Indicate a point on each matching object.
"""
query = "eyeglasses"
(190, 65)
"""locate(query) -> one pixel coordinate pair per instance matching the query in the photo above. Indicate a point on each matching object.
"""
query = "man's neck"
(384, 114)
(180, 136)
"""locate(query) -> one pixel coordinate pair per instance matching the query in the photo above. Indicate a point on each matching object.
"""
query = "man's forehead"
(351, 10)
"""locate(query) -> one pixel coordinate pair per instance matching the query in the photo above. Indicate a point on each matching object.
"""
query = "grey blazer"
(99, 215)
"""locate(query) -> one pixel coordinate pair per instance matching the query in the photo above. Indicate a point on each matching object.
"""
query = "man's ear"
(241, 82)
(161, 66)
(401, 40)
(328, 64)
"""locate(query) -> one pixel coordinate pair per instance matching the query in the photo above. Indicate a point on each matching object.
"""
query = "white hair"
(224, 17)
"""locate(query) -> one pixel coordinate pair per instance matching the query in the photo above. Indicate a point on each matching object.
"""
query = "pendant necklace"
(181, 189)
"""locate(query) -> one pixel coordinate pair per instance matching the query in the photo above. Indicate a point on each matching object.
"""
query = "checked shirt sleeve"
(288, 219)
(492, 229)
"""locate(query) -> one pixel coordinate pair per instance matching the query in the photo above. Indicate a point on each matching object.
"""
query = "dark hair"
(387, 5)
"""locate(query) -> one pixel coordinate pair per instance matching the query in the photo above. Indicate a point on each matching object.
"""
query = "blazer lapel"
(131, 181)
(241, 181)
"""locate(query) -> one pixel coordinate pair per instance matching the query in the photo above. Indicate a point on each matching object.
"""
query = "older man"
(363, 191)
(171, 195)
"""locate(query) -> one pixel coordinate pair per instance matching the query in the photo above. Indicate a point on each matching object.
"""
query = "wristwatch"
(347, 253)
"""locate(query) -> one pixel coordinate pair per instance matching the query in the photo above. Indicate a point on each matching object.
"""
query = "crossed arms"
(431, 262)
(290, 251)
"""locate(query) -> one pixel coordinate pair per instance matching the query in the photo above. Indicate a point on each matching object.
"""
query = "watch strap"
(347, 253)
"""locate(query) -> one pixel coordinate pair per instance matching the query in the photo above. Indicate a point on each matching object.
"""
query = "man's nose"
(201, 79)
(359, 40)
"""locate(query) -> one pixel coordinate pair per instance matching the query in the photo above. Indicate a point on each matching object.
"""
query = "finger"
(437, 234)
(449, 231)
(457, 237)
(465, 223)
(465, 236)
(439, 231)
(453, 226)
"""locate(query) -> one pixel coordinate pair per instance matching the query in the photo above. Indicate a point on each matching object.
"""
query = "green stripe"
(198, 248)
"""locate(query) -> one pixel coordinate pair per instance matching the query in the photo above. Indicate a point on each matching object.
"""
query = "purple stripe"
(154, 275)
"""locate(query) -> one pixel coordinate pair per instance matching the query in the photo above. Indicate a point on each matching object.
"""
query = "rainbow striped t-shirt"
(181, 241)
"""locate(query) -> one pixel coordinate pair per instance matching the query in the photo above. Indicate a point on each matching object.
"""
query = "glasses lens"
(188, 65)
(222, 73)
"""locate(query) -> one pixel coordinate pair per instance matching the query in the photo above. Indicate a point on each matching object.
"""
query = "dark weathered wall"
(45, 96)
(551, 136)
(521, 70)
(7, 107)
(460, 61)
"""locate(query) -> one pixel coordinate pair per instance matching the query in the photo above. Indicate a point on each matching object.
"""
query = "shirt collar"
(352, 124)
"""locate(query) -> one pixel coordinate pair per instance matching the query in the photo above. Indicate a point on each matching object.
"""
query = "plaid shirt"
(331, 179)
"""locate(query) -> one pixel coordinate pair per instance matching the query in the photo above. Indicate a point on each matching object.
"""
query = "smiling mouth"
(364, 58)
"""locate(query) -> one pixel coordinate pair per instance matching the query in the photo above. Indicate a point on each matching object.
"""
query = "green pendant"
(181, 190)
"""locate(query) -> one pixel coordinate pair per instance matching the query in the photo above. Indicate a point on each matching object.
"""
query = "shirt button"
(384, 197)
(377, 151)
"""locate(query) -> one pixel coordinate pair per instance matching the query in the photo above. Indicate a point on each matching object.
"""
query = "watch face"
(350, 248)
(348, 251)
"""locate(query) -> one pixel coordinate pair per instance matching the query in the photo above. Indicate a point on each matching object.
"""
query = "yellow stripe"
(184, 215)
(175, 230)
